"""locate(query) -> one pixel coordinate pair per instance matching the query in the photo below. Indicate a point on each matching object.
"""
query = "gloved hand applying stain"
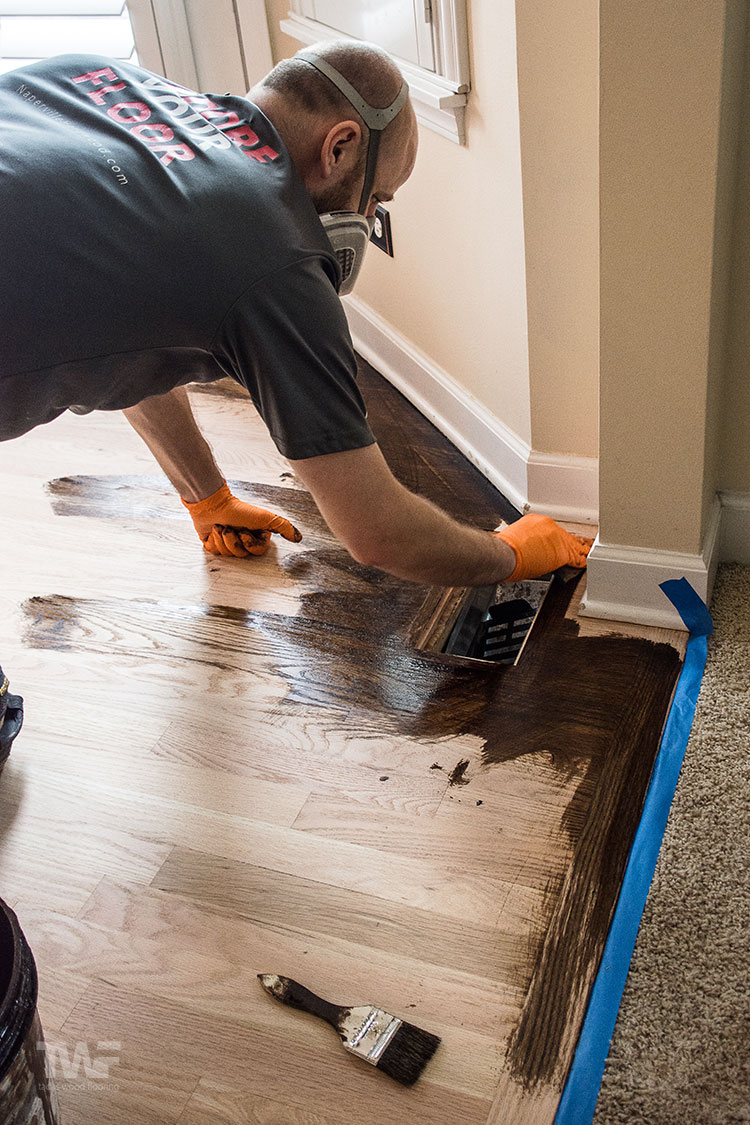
(540, 546)
(230, 527)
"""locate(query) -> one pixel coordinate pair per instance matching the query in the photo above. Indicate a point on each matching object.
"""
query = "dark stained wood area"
(243, 766)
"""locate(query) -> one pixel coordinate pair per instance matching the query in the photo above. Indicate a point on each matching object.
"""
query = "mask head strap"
(375, 119)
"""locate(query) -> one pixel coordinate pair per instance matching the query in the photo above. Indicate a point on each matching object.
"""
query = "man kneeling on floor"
(153, 236)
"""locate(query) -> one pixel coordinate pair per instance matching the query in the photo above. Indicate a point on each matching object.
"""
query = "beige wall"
(457, 288)
(734, 471)
(661, 86)
(729, 209)
(558, 77)
(587, 230)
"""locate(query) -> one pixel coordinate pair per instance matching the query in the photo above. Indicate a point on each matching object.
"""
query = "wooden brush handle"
(290, 992)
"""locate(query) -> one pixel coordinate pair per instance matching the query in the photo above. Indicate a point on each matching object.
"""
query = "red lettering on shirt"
(163, 134)
(173, 152)
(128, 112)
(159, 137)
(95, 76)
(213, 114)
(263, 155)
(159, 133)
(97, 96)
(248, 141)
(243, 136)
(200, 100)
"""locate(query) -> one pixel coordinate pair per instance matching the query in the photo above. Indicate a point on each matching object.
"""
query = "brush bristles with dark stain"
(408, 1053)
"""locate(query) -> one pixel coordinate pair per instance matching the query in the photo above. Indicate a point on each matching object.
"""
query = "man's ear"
(340, 149)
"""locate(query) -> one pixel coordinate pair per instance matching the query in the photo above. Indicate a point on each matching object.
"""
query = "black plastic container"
(27, 1093)
(11, 720)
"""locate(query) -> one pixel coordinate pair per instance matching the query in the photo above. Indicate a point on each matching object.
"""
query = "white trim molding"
(735, 527)
(622, 583)
(564, 487)
(161, 26)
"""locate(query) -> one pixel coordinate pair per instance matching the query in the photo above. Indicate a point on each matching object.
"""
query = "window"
(427, 38)
(31, 30)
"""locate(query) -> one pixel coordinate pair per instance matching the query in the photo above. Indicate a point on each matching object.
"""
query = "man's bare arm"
(168, 427)
(379, 521)
(225, 525)
(382, 524)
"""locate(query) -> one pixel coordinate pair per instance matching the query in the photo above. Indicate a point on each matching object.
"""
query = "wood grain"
(241, 766)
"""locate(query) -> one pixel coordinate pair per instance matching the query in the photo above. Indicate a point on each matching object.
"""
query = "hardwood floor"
(240, 766)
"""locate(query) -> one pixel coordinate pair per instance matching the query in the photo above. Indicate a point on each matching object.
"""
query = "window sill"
(438, 103)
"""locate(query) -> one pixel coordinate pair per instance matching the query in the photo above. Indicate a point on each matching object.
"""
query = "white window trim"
(162, 39)
(439, 102)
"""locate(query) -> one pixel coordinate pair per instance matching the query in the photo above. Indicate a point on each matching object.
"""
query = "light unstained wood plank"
(130, 833)
(158, 684)
(165, 1037)
(324, 752)
(238, 437)
(309, 907)
(136, 1089)
(155, 558)
(85, 444)
(67, 719)
(118, 780)
(74, 444)
(425, 884)
(30, 876)
(59, 989)
(515, 849)
(50, 823)
(286, 737)
(211, 988)
(217, 1104)
(424, 993)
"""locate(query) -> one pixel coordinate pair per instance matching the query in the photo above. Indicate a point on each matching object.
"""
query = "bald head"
(326, 136)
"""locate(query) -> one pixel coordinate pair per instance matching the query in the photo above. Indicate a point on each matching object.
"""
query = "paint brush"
(399, 1049)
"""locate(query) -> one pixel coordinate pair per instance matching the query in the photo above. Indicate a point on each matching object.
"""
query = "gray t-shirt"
(151, 236)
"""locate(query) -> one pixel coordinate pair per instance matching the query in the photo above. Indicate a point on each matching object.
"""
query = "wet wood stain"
(129, 497)
(589, 708)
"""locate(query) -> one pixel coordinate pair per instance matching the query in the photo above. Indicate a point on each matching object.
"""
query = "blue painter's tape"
(581, 1091)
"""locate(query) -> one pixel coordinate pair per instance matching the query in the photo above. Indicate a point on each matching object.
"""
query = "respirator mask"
(349, 231)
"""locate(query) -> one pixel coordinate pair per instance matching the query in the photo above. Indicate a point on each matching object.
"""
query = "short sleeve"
(286, 339)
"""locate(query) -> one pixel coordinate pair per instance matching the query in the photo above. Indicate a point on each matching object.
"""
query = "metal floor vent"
(486, 623)
(495, 620)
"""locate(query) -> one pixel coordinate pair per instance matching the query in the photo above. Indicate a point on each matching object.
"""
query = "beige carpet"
(680, 1054)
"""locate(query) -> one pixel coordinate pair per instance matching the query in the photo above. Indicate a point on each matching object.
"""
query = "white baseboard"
(564, 487)
(622, 583)
(735, 527)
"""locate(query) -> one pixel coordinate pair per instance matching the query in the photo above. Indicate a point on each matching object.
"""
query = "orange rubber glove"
(541, 545)
(230, 527)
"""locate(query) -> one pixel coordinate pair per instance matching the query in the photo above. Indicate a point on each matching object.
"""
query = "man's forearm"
(168, 427)
(424, 544)
(384, 525)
